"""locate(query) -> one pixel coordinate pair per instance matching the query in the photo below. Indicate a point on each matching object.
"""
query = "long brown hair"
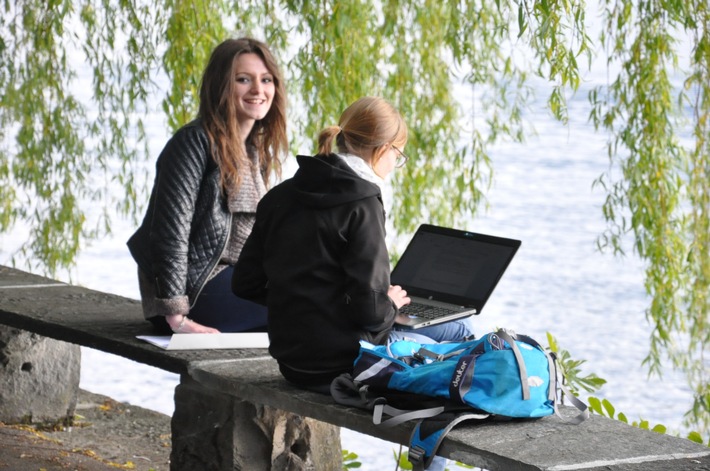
(364, 128)
(219, 115)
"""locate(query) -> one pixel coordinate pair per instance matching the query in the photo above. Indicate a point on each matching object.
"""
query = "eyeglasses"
(401, 157)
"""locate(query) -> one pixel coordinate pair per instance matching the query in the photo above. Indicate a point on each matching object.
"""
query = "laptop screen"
(453, 266)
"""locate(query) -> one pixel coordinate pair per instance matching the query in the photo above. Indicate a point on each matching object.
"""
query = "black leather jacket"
(187, 224)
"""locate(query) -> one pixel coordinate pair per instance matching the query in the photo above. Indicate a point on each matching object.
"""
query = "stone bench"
(234, 411)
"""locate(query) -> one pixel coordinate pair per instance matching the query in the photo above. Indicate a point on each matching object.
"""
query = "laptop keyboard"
(425, 311)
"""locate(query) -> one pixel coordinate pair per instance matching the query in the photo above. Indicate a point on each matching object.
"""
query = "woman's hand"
(183, 325)
(399, 296)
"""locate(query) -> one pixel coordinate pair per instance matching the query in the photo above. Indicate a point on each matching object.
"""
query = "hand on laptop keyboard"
(398, 295)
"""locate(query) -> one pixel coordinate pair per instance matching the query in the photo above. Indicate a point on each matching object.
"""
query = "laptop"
(449, 273)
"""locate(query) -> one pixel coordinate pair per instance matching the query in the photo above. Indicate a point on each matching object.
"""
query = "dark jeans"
(218, 307)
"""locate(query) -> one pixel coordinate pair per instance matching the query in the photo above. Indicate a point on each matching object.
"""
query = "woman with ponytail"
(317, 256)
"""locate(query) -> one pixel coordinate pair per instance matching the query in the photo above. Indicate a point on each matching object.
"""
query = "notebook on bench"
(449, 273)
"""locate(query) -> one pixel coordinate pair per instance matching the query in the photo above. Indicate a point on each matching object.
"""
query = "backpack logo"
(459, 373)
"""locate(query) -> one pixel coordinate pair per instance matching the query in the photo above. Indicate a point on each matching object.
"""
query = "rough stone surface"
(238, 386)
(246, 435)
(90, 318)
(39, 377)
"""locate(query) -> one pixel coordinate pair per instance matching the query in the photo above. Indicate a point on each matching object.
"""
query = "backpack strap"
(584, 409)
(399, 416)
(503, 334)
(349, 392)
(462, 379)
(373, 370)
(581, 406)
(428, 434)
(551, 364)
(424, 354)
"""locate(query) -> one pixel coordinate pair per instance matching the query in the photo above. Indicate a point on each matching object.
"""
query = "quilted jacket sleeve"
(180, 172)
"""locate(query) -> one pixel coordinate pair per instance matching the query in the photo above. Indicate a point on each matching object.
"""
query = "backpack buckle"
(425, 356)
(419, 357)
(416, 454)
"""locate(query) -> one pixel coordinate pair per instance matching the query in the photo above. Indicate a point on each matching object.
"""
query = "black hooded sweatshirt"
(317, 259)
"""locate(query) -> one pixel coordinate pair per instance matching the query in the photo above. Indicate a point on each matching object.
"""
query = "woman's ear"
(377, 154)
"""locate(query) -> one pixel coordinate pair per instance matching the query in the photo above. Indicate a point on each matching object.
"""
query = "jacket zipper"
(216, 259)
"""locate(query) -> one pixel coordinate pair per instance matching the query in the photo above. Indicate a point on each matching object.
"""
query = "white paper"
(208, 341)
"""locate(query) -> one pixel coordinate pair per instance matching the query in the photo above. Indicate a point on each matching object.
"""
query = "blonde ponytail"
(326, 138)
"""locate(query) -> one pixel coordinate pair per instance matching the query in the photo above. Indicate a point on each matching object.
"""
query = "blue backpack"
(500, 375)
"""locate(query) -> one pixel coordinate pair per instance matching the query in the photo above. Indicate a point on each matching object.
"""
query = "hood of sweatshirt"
(324, 181)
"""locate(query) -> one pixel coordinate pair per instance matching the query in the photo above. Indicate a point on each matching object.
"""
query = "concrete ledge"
(544, 444)
(110, 323)
(92, 319)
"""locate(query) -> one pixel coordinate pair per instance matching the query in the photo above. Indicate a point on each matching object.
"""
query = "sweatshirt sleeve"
(367, 269)
(249, 281)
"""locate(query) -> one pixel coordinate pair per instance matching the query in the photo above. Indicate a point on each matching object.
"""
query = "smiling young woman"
(209, 178)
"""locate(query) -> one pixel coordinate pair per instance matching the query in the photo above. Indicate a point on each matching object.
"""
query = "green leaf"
(595, 405)
(696, 437)
(659, 428)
